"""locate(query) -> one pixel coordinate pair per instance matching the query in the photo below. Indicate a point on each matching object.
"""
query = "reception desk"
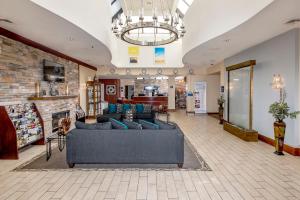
(155, 100)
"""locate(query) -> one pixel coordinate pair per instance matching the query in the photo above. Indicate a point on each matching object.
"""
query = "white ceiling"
(267, 24)
(42, 26)
(148, 5)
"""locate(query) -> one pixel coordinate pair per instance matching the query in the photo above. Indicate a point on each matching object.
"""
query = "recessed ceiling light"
(6, 20)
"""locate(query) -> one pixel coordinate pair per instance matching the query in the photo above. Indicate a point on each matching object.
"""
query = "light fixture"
(277, 82)
(158, 29)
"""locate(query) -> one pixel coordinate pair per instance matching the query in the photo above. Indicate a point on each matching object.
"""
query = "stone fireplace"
(56, 117)
(57, 108)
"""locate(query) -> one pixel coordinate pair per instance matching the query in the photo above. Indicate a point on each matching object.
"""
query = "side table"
(61, 140)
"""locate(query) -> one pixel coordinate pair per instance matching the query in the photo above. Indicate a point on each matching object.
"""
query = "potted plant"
(221, 102)
(280, 111)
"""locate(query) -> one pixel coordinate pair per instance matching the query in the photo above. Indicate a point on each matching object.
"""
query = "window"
(183, 6)
(116, 8)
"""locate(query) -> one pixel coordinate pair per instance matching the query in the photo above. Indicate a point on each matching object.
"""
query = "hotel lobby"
(150, 99)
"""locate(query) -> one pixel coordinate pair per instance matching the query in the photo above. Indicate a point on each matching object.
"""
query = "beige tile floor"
(241, 170)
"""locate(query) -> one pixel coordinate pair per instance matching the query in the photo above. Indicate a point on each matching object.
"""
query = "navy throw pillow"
(117, 124)
(148, 125)
(164, 125)
(132, 125)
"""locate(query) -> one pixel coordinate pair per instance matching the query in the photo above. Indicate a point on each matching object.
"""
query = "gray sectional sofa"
(125, 146)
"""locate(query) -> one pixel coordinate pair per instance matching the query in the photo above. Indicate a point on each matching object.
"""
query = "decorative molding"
(291, 150)
(41, 47)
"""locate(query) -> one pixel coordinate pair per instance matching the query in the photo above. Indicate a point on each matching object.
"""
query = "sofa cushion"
(119, 108)
(139, 108)
(164, 125)
(102, 118)
(147, 108)
(117, 124)
(112, 108)
(94, 126)
(148, 125)
(126, 107)
(132, 125)
(143, 116)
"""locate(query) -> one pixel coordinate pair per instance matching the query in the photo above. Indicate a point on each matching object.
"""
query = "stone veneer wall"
(21, 67)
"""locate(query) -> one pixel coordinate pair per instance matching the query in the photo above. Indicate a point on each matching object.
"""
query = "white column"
(171, 92)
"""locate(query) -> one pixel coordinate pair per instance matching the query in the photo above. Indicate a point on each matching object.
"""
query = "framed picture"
(133, 53)
(133, 60)
(111, 90)
(159, 55)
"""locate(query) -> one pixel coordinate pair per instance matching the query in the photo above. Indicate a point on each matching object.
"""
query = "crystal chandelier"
(158, 29)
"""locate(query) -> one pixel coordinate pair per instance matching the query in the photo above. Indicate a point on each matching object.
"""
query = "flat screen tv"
(53, 72)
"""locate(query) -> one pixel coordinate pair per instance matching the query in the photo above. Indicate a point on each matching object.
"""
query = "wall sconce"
(278, 84)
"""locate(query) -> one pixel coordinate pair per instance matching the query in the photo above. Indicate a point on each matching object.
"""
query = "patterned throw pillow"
(119, 108)
(132, 125)
(148, 125)
(164, 125)
(117, 124)
(147, 108)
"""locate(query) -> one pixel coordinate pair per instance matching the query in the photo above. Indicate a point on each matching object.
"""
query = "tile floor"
(241, 170)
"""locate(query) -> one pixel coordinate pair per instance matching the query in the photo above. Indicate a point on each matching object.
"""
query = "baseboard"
(291, 150)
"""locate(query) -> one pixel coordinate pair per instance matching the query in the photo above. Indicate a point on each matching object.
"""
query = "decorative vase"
(279, 133)
(221, 111)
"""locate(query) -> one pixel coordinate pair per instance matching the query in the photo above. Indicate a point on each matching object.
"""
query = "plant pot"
(221, 111)
(279, 133)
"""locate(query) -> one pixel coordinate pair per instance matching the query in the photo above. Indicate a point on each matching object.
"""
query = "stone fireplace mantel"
(45, 98)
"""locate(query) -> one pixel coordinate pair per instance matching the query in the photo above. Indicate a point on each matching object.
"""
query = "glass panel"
(239, 97)
(182, 6)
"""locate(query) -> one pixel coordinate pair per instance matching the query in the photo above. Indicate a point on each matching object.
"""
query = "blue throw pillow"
(126, 107)
(139, 108)
(148, 125)
(112, 108)
(164, 125)
(117, 124)
(132, 125)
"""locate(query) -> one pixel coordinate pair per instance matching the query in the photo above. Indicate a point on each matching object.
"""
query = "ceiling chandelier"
(157, 28)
